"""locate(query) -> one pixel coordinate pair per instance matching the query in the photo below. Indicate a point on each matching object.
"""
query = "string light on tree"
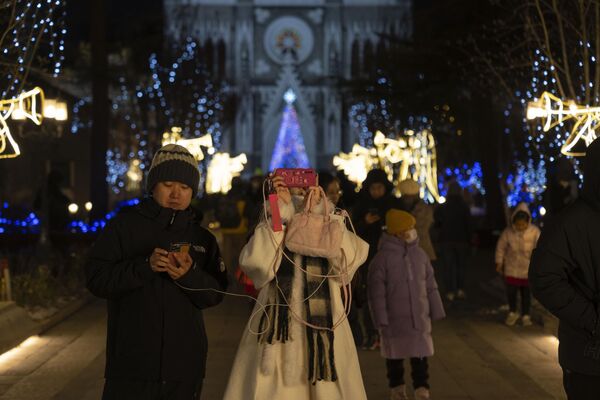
(221, 171)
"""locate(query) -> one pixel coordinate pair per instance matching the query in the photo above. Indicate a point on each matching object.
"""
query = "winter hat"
(173, 163)
(409, 187)
(398, 221)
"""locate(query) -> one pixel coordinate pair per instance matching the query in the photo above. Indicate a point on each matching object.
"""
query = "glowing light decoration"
(469, 177)
(194, 146)
(221, 170)
(134, 175)
(26, 106)
(412, 155)
(527, 184)
(555, 112)
(357, 163)
(289, 151)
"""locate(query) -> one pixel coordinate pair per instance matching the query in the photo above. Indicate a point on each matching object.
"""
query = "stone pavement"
(476, 358)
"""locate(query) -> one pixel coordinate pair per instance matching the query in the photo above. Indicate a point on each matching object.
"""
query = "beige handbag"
(315, 235)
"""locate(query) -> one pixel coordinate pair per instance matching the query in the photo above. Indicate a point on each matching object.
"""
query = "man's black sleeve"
(108, 275)
(549, 271)
(210, 274)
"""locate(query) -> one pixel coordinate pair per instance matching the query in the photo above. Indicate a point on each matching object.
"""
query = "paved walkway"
(477, 357)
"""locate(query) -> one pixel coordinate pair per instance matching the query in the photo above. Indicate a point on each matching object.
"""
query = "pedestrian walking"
(423, 213)
(300, 345)
(565, 277)
(154, 263)
(369, 217)
(404, 299)
(513, 254)
(453, 224)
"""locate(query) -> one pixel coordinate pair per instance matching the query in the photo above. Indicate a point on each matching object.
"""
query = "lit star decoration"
(27, 105)
(410, 156)
(289, 151)
(553, 111)
(194, 146)
(221, 170)
(33, 34)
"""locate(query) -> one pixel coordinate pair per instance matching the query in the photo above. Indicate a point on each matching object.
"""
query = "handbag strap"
(307, 206)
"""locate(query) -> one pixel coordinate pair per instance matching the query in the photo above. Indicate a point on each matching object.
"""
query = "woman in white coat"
(280, 357)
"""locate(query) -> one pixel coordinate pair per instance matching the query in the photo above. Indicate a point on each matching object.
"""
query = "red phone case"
(275, 215)
(297, 177)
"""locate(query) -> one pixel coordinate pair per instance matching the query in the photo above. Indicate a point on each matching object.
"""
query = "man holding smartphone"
(158, 269)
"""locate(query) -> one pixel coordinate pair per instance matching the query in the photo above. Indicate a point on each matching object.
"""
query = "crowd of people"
(323, 286)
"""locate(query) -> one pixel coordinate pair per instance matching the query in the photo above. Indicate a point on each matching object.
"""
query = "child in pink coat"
(404, 299)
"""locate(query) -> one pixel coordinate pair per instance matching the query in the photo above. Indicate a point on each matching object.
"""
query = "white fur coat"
(279, 371)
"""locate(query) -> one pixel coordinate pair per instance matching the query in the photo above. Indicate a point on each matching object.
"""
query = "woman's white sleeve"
(261, 256)
(354, 254)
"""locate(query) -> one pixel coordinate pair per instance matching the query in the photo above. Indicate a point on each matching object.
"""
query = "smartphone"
(297, 177)
(179, 248)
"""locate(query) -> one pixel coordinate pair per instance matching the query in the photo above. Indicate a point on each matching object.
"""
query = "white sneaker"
(450, 296)
(398, 393)
(461, 295)
(526, 320)
(422, 394)
(511, 318)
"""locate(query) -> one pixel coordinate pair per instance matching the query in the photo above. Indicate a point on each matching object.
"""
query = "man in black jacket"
(564, 276)
(145, 263)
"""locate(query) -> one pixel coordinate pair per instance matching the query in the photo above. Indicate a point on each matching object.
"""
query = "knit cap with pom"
(176, 164)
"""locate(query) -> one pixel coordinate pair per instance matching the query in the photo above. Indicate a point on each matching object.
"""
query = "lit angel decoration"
(27, 105)
(554, 112)
(357, 163)
(194, 146)
(413, 155)
(221, 171)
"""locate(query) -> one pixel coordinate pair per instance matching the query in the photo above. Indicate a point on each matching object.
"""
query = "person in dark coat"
(453, 224)
(369, 219)
(564, 276)
(158, 269)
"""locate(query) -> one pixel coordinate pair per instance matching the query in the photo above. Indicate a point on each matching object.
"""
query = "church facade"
(267, 48)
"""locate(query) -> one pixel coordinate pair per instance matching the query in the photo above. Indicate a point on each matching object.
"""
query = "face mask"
(297, 201)
(410, 236)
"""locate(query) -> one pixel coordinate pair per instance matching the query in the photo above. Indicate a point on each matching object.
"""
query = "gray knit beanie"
(173, 163)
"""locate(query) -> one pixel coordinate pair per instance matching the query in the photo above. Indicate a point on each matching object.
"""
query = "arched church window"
(381, 54)
(355, 61)
(369, 59)
(221, 58)
(209, 56)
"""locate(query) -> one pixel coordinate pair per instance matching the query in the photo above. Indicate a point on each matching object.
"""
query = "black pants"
(123, 389)
(454, 256)
(511, 293)
(419, 372)
(580, 386)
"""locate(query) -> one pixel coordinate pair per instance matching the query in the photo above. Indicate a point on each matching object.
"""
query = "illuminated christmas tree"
(289, 151)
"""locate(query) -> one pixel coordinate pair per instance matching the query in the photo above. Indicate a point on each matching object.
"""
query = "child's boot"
(511, 318)
(399, 393)
(422, 393)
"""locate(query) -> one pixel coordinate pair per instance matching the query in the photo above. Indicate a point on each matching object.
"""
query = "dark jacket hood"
(591, 174)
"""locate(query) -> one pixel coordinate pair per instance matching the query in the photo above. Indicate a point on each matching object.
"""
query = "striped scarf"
(321, 362)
